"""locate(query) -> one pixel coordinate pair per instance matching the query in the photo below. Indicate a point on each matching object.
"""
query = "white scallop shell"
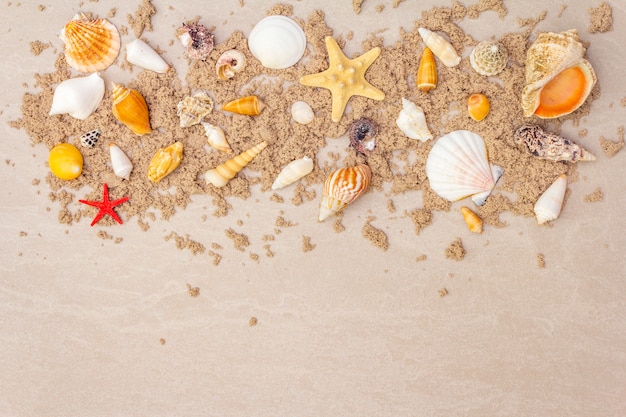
(78, 97)
(277, 41)
(292, 172)
(440, 47)
(548, 206)
(458, 167)
(141, 54)
(412, 121)
(216, 137)
(120, 162)
(302, 112)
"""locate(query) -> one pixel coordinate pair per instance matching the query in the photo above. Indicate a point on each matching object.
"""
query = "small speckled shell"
(342, 187)
(489, 58)
(89, 139)
(546, 145)
(165, 161)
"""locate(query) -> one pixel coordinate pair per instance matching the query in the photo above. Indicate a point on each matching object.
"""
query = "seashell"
(230, 63)
(165, 161)
(302, 112)
(197, 39)
(427, 71)
(548, 206)
(120, 162)
(362, 134)
(220, 175)
(474, 223)
(277, 41)
(90, 44)
(292, 172)
(216, 138)
(489, 58)
(130, 108)
(458, 166)
(342, 187)
(545, 145)
(249, 106)
(412, 121)
(65, 161)
(558, 78)
(89, 139)
(440, 47)
(141, 54)
(478, 106)
(78, 97)
(192, 110)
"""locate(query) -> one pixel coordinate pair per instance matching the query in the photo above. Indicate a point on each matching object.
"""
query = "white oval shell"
(412, 121)
(302, 112)
(548, 206)
(120, 162)
(141, 54)
(440, 47)
(292, 172)
(277, 41)
(457, 167)
(78, 97)
(216, 137)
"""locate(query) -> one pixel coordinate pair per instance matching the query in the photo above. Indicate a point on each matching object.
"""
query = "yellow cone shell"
(427, 71)
(249, 106)
(66, 161)
(130, 108)
(474, 223)
(220, 175)
(165, 161)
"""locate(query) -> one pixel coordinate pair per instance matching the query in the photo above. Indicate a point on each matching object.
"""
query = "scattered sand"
(374, 235)
(455, 250)
(37, 47)
(307, 246)
(541, 260)
(601, 18)
(193, 291)
(443, 292)
(142, 19)
(253, 321)
(595, 197)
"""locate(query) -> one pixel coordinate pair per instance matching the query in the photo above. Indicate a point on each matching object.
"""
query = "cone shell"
(489, 58)
(230, 63)
(478, 106)
(427, 71)
(120, 162)
(130, 108)
(546, 145)
(216, 137)
(192, 109)
(141, 54)
(277, 41)
(457, 167)
(548, 206)
(90, 44)
(412, 121)
(89, 139)
(220, 175)
(249, 106)
(165, 161)
(342, 187)
(440, 47)
(79, 97)
(474, 223)
(558, 78)
(65, 161)
(292, 172)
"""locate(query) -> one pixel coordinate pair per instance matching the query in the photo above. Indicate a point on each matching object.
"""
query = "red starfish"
(105, 206)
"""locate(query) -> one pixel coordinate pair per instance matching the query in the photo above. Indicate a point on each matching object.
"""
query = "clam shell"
(216, 137)
(192, 109)
(489, 58)
(277, 41)
(230, 63)
(90, 44)
(302, 113)
(78, 97)
(130, 108)
(120, 162)
(65, 161)
(292, 172)
(141, 54)
(440, 47)
(165, 161)
(478, 106)
(458, 166)
(546, 145)
(412, 121)
(248, 106)
(342, 187)
(220, 175)
(426, 78)
(89, 139)
(548, 206)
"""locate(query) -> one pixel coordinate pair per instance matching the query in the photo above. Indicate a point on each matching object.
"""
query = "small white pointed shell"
(216, 137)
(120, 162)
(302, 112)
(141, 54)
(221, 174)
(292, 172)
(412, 121)
(78, 97)
(440, 47)
(548, 206)
(277, 41)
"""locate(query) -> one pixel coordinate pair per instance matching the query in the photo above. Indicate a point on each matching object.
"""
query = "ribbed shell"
(489, 58)
(342, 187)
(277, 41)
(221, 174)
(130, 108)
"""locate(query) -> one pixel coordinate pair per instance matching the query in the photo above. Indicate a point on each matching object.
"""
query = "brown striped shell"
(342, 187)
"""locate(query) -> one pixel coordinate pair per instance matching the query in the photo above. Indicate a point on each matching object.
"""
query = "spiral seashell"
(79, 97)
(65, 161)
(548, 206)
(89, 139)
(192, 109)
(197, 39)
(216, 138)
(165, 161)
(248, 106)
(478, 106)
(120, 162)
(220, 175)
(474, 223)
(90, 44)
(489, 58)
(141, 54)
(440, 47)
(130, 108)
(292, 172)
(342, 187)
(277, 41)
(230, 63)
(545, 145)
(362, 134)
(412, 121)
(302, 113)
(427, 71)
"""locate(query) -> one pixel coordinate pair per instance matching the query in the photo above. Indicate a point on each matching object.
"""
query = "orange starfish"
(105, 206)
(344, 77)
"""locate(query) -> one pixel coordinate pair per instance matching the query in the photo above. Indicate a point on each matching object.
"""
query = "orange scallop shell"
(342, 187)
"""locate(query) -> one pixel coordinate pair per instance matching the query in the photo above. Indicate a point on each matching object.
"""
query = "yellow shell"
(220, 175)
(427, 71)
(558, 78)
(474, 223)
(130, 108)
(249, 106)
(90, 44)
(66, 161)
(342, 187)
(478, 106)
(165, 161)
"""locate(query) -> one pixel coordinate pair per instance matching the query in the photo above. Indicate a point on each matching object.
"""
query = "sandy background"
(93, 326)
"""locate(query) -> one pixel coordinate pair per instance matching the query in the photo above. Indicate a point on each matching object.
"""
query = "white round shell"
(78, 97)
(302, 112)
(277, 41)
